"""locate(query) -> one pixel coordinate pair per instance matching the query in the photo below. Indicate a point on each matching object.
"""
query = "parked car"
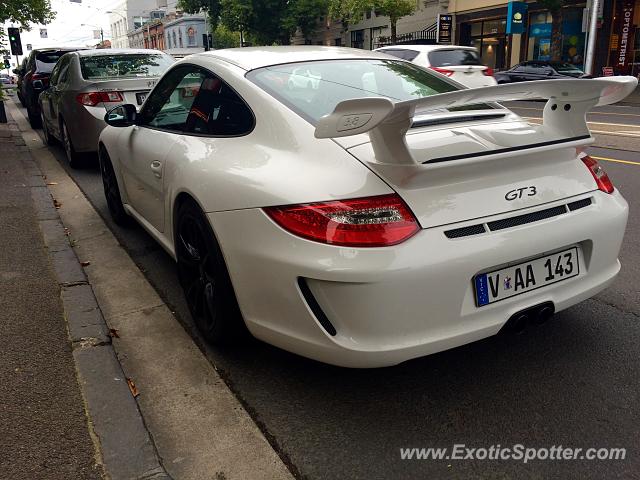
(315, 221)
(85, 84)
(539, 70)
(19, 73)
(6, 79)
(459, 63)
(35, 78)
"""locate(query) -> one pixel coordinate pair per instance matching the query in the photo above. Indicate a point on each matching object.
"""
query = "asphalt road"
(572, 382)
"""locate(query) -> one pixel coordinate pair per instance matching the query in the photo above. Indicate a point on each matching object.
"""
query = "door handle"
(156, 167)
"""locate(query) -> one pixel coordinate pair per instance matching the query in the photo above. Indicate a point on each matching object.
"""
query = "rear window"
(445, 58)
(338, 80)
(45, 61)
(100, 67)
(401, 53)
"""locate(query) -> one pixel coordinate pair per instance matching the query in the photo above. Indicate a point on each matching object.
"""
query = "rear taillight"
(92, 99)
(443, 71)
(599, 175)
(362, 222)
(488, 72)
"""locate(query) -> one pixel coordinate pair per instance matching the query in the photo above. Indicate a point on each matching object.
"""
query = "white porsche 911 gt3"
(379, 215)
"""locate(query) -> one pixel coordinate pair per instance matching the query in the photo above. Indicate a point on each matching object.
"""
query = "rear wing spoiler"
(564, 115)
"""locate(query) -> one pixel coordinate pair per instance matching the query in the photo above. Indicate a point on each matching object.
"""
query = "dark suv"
(35, 78)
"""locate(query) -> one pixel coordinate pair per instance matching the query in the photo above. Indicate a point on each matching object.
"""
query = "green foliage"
(211, 8)
(352, 11)
(225, 38)
(264, 22)
(24, 12)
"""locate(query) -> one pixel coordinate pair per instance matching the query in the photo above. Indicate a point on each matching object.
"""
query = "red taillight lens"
(362, 222)
(92, 99)
(443, 71)
(599, 175)
(488, 72)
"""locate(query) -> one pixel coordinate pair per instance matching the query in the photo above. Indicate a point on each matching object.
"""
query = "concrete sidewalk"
(44, 432)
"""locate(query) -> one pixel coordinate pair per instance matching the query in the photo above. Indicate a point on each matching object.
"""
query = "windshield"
(452, 57)
(100, 67)
(333, 81)
(565, 68)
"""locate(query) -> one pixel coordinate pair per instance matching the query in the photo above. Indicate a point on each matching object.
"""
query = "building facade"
(129, 16)
(185, 33)
(483, 24)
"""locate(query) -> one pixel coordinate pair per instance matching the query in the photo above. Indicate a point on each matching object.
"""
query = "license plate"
(141, 97)
(508, 282)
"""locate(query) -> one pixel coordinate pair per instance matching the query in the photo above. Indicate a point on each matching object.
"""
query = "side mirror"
(17, 71)
(121, 116)
(549, 73)
(38, 85)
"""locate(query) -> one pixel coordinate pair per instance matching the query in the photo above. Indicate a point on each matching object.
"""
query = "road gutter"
(184, 418)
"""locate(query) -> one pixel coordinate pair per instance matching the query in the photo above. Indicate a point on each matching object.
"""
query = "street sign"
(15, 41)
(43, 33)
(516, 15)
(607, 71)
(445, 24)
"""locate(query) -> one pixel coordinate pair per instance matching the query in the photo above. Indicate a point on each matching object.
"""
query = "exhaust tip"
(543, 315)
(518, 323)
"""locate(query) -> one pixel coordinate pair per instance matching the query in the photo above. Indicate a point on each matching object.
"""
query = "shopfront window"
(539, 41)
(489, 38)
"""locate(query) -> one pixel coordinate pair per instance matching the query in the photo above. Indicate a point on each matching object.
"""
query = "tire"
(72, 156)
(48, 139)
(111, 190)
(24, 105)
(205, 279)
(34, 120)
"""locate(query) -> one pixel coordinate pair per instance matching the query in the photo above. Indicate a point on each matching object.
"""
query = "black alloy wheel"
(204, 278)
(111, 190)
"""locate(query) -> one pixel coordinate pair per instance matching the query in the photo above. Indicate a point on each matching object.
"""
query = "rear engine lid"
(466, 178)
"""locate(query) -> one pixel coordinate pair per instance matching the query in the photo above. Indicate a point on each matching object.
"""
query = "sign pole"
(591, 43)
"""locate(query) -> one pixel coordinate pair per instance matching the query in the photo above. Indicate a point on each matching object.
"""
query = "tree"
(352, 11)
(555, 9)
(265, 21)
(225, 38)
(305, 14)
(211, 8)
(25, 12)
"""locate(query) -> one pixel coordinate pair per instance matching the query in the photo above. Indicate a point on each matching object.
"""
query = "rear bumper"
(85, 128)
(392, 304)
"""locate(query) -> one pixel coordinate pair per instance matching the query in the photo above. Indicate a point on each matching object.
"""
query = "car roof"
(249, 58)
(117, 51)
(425, 48)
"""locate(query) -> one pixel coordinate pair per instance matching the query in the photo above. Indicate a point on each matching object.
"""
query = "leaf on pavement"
(113, 333)
(52, 183)
(85, 264)
(133, 388)
(56, 203)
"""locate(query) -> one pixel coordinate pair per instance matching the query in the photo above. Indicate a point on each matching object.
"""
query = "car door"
(55, 94)
(536, 71)
(144, 149)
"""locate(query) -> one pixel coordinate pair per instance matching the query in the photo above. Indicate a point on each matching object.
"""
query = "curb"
(115, 422)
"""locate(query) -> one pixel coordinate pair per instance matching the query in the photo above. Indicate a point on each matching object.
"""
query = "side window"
(218, 111)
(170, 103)
(59, 73)
(55, 73)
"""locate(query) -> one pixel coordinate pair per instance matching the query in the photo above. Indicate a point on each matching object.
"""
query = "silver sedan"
(85, 84)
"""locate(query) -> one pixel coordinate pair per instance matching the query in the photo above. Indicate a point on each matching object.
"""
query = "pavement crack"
(617, 307)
